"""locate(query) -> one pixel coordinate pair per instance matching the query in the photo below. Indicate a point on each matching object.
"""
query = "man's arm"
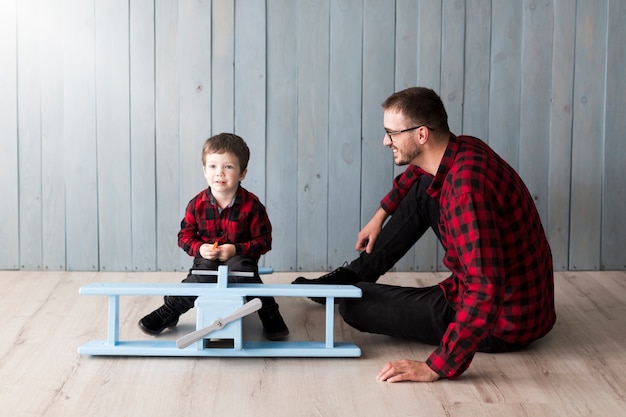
(401, 185)
(367, 236)
(476, 261)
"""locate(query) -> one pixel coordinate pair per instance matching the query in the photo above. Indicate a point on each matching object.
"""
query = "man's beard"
(404, 158)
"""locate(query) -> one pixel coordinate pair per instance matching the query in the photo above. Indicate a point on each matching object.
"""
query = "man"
(500, 295)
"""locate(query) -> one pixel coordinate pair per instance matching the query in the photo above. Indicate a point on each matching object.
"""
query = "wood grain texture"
(142, 136)
(29, 128)
(505, 80)
(377, 166)
(313, 100)
(587, 144)
(9, 187)
(282, 134)
(169, 208)
(477, 68)
(53, 219)
(577, 370)
(534, 155)
(105, 104)
(406, 75)
(80, 136)
(223, 66)
(613, 227)
(113, 135)
(344, 130)
(560, 138)
(250, 93)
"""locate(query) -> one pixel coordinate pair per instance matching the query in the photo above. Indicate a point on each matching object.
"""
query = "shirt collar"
(236, 198)
(444, 166)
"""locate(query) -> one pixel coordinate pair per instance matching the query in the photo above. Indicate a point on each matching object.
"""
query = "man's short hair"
(421, 105)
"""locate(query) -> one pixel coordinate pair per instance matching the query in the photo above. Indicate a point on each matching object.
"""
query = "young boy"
(223, 225)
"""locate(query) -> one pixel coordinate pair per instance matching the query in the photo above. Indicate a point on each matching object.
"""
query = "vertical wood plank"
(52, 134)
(282, 133)
(113, 134)
(168, 214)
(223, 66)
(250, 94)
(405, 69)
(344, 149)
(504, 93)
(452, 70)
(29, 127)
(613, 255)
(80, 136)
(377, 166)
(477, 69)
(560, 135)
(250, 81)
(536, 80)
(429, 43)
(312, 195)
(429, 66)
(194, 88)
(406, 75)
(9, 209)
(452, 61)
(589, 125)
(142, 135)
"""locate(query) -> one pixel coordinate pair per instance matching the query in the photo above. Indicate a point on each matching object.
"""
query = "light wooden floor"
(577, 370)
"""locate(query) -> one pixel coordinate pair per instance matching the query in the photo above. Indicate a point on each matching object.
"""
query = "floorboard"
(579, 369)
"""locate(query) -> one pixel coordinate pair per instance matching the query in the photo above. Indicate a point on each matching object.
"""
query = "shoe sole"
(277, 336)
(153, 332)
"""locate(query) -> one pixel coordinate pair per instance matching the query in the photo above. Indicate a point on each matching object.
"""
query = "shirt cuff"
(447, 366)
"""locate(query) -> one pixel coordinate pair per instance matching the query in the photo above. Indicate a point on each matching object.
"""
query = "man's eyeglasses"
(397, 132)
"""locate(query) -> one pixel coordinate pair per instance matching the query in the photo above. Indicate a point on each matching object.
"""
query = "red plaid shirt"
(495, 246)
(244, 223)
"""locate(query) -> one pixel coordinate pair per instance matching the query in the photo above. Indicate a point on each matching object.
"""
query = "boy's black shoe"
(273, 324)
(161, 318)
(340, 276)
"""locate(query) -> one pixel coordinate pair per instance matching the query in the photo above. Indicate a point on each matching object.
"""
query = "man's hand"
(367, 236)
(407, 370)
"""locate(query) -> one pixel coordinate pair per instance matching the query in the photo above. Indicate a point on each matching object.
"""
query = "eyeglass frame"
(397, 132)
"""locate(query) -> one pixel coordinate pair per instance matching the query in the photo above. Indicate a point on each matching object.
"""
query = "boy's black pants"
(237, 263)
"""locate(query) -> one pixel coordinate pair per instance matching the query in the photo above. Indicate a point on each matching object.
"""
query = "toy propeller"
(248, 308)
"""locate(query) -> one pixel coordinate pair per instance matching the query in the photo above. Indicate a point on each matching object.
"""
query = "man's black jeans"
(421, 314)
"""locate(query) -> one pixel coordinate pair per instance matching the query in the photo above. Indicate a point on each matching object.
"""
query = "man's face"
(405, 149)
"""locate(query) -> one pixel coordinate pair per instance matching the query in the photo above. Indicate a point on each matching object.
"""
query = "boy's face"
(222, 172)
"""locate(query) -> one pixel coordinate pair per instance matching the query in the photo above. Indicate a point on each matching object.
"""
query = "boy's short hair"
(227, 142)
(420, 105)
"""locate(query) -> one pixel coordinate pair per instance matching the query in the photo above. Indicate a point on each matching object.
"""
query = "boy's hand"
(207, 251)
(225, 252)
(215, 252)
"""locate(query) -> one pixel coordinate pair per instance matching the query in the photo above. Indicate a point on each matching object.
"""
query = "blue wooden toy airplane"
(220, 310)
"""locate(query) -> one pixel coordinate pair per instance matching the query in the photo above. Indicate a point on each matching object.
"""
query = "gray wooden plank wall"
(104, 106)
